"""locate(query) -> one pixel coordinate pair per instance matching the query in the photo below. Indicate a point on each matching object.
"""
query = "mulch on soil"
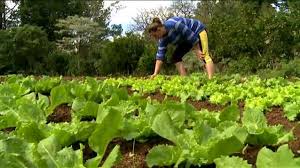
(62, 113)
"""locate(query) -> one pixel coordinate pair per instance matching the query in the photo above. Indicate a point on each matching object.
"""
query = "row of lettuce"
(253, 91)
(196, 137)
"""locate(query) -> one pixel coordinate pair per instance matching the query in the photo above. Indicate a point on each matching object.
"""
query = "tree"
(184, 8)
(96, 11)
(2, 14)
(8, 15)
(115, 30)
(46, 13)
(23, 49)
(144, 17)
(77, 34)
(122, 55)
(204, 10)
(177, 8)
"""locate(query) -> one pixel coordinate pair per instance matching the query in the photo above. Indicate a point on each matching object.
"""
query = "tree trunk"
(2, 14)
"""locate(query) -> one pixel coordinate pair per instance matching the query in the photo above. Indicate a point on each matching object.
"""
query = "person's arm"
(210, 69)
(158, 65)
(162, 49)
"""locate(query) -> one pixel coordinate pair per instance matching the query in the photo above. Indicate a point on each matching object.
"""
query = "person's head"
(156, 29)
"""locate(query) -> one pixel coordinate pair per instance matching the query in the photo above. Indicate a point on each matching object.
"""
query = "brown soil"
(250, 154)
(62, 113)
(2, 78)
(197, 104)
(88, 118)
(8, 130)
(205, 105)
(156, 96)
(129, 90)
(87, 152)
(69, 78)
(133, 152)
(241, 105)
(274, 117)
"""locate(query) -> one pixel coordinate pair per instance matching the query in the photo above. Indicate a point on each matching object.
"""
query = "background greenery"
(73, 37)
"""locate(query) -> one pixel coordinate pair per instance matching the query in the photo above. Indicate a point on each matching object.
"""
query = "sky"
(131, 8)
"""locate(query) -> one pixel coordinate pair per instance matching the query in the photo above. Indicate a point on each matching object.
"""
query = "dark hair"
(156, 22)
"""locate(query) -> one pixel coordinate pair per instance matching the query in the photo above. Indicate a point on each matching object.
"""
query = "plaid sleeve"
(162, 49)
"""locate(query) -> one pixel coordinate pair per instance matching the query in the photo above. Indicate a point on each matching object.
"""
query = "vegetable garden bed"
(134, 122)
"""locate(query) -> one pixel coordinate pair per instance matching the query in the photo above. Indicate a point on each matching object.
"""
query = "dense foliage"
(197, 137)
(244, 37)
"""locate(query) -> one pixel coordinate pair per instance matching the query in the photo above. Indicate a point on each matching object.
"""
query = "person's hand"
(200, 55)
(198, 52)
(153, 76)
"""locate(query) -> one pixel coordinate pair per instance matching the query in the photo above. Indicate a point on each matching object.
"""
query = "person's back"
(187, 34)
(193, 24)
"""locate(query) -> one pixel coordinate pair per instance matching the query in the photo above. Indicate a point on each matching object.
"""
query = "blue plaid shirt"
(179, 29)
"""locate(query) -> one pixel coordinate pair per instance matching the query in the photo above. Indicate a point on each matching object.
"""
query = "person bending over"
(187, 34)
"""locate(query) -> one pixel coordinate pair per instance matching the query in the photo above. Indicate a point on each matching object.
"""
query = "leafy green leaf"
(163, 126)
(271, 135)
(31, 132)
(29, 112)
(48, 148)
(282, 158)
(59, 95)
(68, 158)
(113, 157)
(230, 113)
(43, 102)
(93, 162)
(163, 155)
(45, 84)
(176, 112)
(228, 162)
(106, 131)
(291, 110)
(254, 120)
(8, 120)
(89, 109)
